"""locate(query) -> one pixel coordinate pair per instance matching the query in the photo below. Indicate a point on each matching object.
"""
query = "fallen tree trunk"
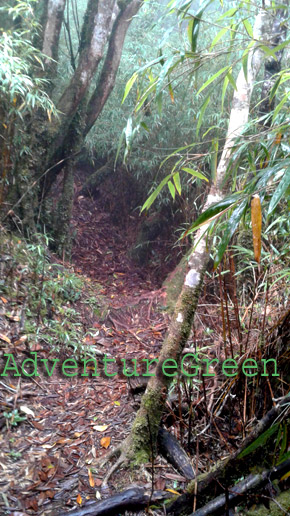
(170, 448)
(132, 499)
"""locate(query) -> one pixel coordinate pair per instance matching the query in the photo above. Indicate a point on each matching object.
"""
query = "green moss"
(173, 284)
(283, 499)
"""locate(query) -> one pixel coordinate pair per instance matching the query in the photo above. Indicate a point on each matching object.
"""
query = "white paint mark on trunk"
(192, 278)
(179, 317)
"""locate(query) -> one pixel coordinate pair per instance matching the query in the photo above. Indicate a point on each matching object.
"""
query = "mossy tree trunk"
(144, 431)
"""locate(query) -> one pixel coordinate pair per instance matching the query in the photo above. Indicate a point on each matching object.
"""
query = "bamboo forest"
(144, 257)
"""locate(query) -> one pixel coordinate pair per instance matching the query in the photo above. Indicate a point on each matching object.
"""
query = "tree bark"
(110, 68)
(139, 443)
(94, 37)
(51, 33)
(273, 66)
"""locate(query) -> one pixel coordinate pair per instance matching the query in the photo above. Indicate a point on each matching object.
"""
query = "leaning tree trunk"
(138, 445)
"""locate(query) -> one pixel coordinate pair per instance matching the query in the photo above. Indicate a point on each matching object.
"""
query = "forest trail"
(73, 421)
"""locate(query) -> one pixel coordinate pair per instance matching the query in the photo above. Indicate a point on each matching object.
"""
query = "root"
(113, 453)
(120, 451)
(121, 460)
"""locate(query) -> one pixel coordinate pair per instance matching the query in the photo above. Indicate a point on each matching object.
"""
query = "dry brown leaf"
(105, 442)
(4, 300)
(78, 434)
(91, 479)
(79, 499)
(4, 338)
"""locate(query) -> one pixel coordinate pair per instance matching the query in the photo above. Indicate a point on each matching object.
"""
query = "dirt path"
(49, 462)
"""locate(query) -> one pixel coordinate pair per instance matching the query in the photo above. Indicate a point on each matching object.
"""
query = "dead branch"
(252, 482)
(236, 465)
(132, 499)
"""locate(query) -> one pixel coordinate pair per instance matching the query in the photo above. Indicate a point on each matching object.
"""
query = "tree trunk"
(145, 427)
(273, 66)
(111, 64)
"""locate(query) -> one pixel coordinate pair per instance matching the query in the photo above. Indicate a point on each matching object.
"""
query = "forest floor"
(48, 462)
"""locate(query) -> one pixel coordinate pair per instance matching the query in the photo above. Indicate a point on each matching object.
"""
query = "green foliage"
(21, 90)
(52, 297)
(13, 418)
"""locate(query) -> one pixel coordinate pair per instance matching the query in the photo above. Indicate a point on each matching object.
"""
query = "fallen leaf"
(37, 425)
(100, 428)
(172, 491)
(4, 300)
(78, 434)
(14, 318)
(79, 499)
(91, 479)
(4, 338)
(27, 411)
(105, 442)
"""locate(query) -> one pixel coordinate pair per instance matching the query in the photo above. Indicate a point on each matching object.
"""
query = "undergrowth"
(42, 301)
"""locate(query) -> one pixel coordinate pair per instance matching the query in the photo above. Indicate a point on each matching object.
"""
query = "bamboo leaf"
(145, 95)
(211, 79)
(280, 191)
(129, 85)
(145, 126)
(190, 33)
(232, 225)
(219, 36)
(163, 74)
(195, 173)
(248, 27)
(201, 113)
(259, 441)
(245, 64)
(214, 211)
(154, 194)
(232, 80)
(171, 189)
(269, 51)
(280, 105)
(228, 14)
(176, 179)
(225, 85)
(171, 92)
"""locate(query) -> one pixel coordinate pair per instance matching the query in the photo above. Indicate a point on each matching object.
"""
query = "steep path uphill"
(49, 462)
